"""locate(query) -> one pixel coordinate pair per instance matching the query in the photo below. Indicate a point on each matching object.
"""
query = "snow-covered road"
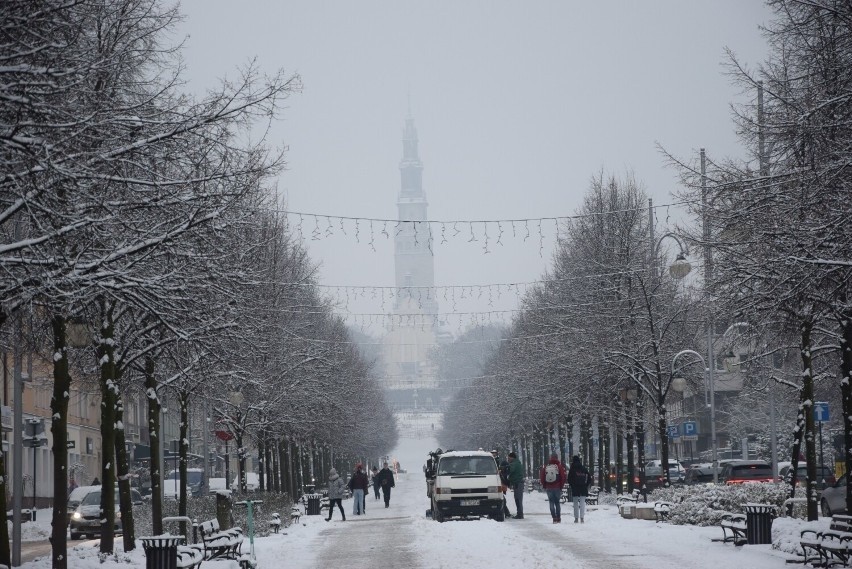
(403, 537)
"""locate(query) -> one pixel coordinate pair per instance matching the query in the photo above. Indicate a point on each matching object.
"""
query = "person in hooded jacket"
(386, 481)
(336, 492)
(376, 481)
(359, 485)
(579, 479)
(554, 489)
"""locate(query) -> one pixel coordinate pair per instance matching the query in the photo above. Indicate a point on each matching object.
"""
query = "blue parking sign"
(690, 428)
(674, 431)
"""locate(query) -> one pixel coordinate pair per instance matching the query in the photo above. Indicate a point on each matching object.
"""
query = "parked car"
(659, 463)
(654, 477)
(467, 485)
(824, 474)
(86, 517)
(746, 471)
(699, 474)
(833, 500)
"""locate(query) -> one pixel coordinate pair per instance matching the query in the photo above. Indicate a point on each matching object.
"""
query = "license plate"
(470, 502)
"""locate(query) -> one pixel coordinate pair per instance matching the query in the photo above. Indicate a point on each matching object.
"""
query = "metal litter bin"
(313, 504)
(161, 551)
(759, 523)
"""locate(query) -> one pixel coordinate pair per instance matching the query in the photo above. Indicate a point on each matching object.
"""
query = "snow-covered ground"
(402, 537)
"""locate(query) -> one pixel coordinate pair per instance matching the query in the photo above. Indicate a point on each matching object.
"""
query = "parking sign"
(673, 431)
(690, 428)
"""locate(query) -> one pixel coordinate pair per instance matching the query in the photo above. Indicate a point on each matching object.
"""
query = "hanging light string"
(422, 234)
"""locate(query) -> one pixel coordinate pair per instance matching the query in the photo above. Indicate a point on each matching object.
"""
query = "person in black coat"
(579, 479)
(386, 482)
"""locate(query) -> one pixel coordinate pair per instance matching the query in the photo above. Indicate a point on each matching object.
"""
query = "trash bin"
(161, 551)
(759, 523)
(314, 504)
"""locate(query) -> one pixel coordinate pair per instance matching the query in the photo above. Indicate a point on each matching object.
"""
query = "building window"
(90, 445)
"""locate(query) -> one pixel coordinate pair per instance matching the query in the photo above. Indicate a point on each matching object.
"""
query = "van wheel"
(76, 535)
(436, 514)
(500, 516)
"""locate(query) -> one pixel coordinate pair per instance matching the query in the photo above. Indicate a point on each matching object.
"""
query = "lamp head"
(680, 267)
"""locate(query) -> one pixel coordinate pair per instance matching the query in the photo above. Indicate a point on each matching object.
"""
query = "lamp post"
(708, 377)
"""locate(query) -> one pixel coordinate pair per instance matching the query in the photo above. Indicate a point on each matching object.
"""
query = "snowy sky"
(517, 105)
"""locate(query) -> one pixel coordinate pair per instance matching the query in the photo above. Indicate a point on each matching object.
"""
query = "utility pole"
(708, 276)
(764, 175)
(17, 447)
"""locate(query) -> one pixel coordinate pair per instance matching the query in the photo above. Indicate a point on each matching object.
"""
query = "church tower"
(413, 260)
(413, 327)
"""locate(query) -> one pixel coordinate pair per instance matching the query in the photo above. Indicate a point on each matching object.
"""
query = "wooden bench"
(275, 522)
(295, 514)
(219, 544)
(632, 497)
(830, 547)
(733, 528)
(189, 556)
(662, 510)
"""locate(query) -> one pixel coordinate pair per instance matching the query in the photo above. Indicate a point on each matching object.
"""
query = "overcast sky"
(517, 104)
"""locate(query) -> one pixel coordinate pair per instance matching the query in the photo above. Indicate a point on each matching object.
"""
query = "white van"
(467, 484)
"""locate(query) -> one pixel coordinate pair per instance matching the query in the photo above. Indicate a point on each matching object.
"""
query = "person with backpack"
(579, 480)
(375, 481)
(552, 478)
(385, 477)
(516, 483)
(335, 493)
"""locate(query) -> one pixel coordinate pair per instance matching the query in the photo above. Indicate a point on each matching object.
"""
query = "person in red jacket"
(552, 477)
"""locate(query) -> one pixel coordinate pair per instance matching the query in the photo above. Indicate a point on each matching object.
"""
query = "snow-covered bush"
(706, 504)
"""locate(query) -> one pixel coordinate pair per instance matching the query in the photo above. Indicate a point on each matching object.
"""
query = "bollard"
(223, 511)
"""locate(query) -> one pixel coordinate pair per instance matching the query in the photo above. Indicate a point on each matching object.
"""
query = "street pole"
(821, 457)
(205, 433)
(764, 173)
(17, 447)
(708, 276)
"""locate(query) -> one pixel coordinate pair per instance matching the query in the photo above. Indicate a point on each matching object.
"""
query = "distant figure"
(359, 484)
(579, 480)
(376, 482)
(96, 482)
(72, 485)
(386, 481)
(516, 482)
(552, 478)
(336, 488)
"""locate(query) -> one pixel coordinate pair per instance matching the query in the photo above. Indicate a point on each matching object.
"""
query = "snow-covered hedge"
(704, 505)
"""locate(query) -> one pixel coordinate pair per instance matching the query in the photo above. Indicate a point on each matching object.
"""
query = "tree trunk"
(241, 463)
(267, 463)
(109, 389)
(183, 455)
(846, 391)
(630, 424)
(602, 472)
(605, 456)
(59, 430)
(619, 454)
(125, 501)
(584, 438)
(664, 437)
(154, 436)
(640, 444)
(807, 410)
(276, 480)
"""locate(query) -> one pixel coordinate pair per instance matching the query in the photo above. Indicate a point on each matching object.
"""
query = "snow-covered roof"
(467, 453)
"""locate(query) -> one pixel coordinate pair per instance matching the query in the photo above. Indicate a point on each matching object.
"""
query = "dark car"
(833, 500)
(654, 477)
(824, 475)
(699, 475)
(86, 518)
(746, 471)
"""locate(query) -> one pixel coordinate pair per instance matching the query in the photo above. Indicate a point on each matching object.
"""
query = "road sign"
(686, 438)
(70, 444)
(674, 431)
(821, 412)
(690, 428)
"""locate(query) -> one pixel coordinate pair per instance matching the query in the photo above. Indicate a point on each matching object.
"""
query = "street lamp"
(708, 376)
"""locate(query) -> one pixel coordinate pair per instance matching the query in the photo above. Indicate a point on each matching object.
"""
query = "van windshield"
(460, 465)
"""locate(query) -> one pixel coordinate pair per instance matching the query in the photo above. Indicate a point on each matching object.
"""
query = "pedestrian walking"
(516, 483)
(376, 482)
(336, 491)
(386, 482)
(359, 485)
(552, 478)
(579, 480)
(503, 471)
